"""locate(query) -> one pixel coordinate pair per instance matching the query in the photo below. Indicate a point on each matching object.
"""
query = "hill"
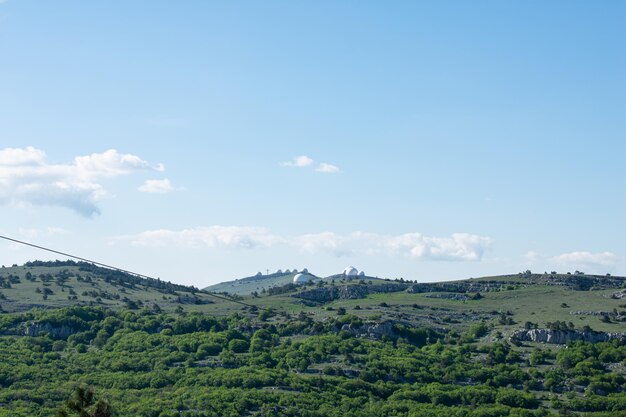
(256, 283)
(59, 284)
(584, 300)
(344, 347)
(510, 302)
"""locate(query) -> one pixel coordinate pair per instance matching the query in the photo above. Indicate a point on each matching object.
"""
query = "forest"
(152, 363)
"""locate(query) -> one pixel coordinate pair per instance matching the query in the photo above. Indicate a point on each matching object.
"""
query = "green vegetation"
(68, 283)
(375, 348)
(84, 404)
(255, 284)
(143, 363)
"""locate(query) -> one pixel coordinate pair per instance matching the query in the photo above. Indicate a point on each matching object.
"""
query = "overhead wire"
(115, 268)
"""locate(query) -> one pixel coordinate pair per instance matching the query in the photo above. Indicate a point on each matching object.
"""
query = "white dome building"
(350, 271)
(361, 274)
(300, 279)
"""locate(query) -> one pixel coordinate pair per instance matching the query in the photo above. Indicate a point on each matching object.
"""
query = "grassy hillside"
(455, 305)
(67, 283)
(536, 298)
(337, 347)
(248, 285)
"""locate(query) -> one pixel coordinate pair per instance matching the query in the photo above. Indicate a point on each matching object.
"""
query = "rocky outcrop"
(371, 330)
(461, 286)
(619, 295)
(347, 292)
(562, 337)
(56, 332)
(575, 282)
(583, 282)
(617, 316)
(449, 296)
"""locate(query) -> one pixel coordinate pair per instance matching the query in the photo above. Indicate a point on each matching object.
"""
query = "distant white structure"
(302, 278)
(361, 274)
(350, 271)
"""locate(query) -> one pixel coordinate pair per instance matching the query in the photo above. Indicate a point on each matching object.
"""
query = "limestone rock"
(562, 337)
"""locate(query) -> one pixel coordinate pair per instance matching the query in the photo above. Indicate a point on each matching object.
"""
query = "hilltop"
(59, 284)
(509, 302)
(256, 283)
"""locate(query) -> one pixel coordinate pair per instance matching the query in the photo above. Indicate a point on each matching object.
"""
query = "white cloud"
(298, 162)
(27, 178)
(228, 237)
(32, 233)
(327, 168)
(304, 161)
(21, 156)
(108, 164)
(584, 259)
(458, 247)
(325, 241)
(531, 256)
(156, 186)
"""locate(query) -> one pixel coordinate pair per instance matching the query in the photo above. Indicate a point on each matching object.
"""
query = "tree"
(84, 404)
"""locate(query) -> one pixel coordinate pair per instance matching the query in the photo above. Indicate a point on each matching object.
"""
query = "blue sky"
(443, 140)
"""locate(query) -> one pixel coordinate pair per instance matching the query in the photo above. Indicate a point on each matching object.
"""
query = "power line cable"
(21, 242)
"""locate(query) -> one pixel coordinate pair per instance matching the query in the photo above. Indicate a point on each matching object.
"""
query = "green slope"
(67, 283)
(535, 298)
(300, 350)
(248, 285)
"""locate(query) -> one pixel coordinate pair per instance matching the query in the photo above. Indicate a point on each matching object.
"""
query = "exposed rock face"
(612, 315)
(347, 292)
(619, 295)
(37, 329)
(450, 296)
(371, 330)
(562, 337)
(438, 287)
(583, 282)
(459, 287)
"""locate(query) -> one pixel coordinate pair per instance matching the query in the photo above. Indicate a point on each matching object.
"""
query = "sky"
(203, 141)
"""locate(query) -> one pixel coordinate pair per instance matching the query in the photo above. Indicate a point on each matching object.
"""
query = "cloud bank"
(459, 247)
(586, 259)
(213, 237)
(27, 178)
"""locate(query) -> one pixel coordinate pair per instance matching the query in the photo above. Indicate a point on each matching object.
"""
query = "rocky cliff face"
(347, 292)
(371, 330)
(562, 337)
(37, 329)
(583, 282)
